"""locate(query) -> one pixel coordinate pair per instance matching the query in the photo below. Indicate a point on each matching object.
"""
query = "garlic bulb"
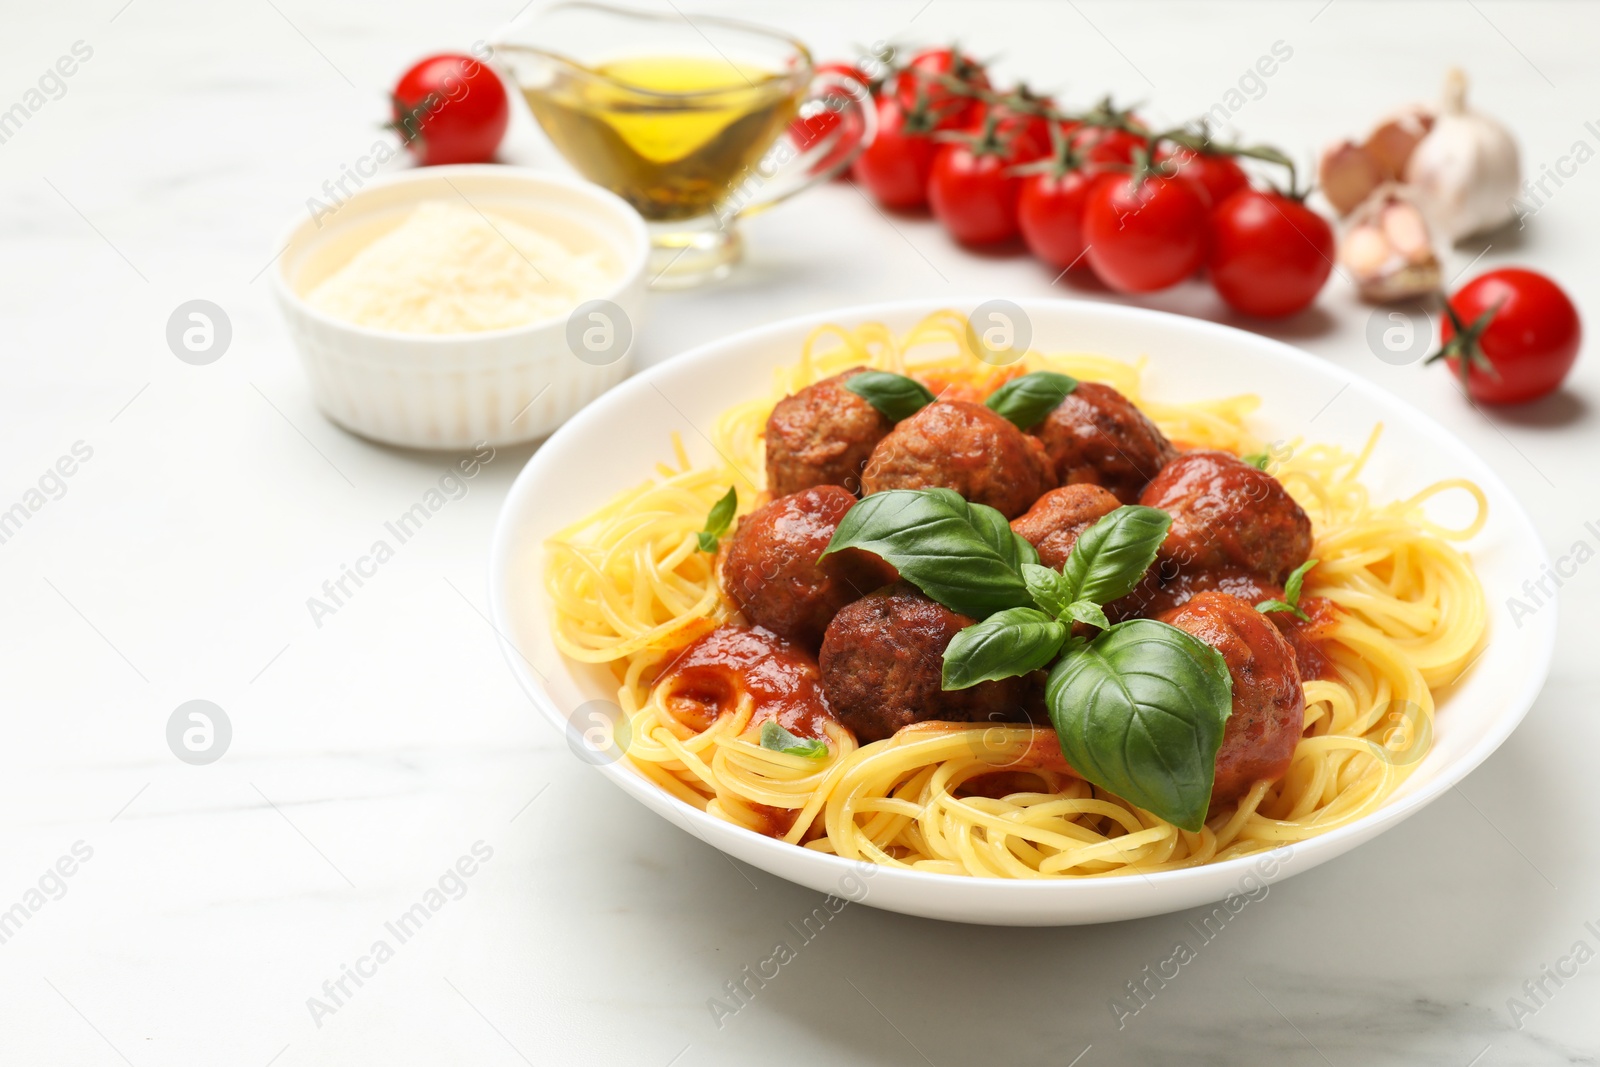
(1465, 171)
(1387, 249)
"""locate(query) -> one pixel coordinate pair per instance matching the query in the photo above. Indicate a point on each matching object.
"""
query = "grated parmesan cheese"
(450, 269)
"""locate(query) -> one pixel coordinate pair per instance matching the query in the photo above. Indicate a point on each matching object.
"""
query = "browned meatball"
(1057, 519)
(1176, 592)
(1096, 435)
(772, 572)
(965, 447)
(822, 435)
(1268, 703)
(882, 660)
(1226, 513)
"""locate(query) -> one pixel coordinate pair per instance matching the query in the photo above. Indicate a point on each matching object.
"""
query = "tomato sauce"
(780, 676)
(1309, 638)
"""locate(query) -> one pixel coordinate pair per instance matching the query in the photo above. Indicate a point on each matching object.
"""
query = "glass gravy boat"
(696, 121)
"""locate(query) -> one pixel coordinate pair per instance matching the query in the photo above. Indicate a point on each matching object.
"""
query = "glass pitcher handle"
(802, 158)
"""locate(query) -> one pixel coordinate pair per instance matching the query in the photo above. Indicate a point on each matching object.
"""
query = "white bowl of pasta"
(602, 589)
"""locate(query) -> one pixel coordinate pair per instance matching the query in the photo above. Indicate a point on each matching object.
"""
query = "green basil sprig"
(1140, 709)
(1107, 561)
(1028, 399)
(718, 519)
(778, 739)
(1291, 594)
(963, 555)
(894, 395)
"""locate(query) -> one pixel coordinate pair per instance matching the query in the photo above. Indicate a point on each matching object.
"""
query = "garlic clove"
(1392, 141)
(1365, 251)
(1348, 174)
(1387, 249)
(1406, 232)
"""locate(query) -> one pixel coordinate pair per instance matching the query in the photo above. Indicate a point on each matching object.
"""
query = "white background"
(369, 754)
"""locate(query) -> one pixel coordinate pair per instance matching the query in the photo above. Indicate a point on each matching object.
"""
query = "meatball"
(882, 660)
(1178, 591)
(1057, 519)
(1268, 703)
(1226, 513)
(1096, 435)
(771, 570)
(822, 435)
(965, 447)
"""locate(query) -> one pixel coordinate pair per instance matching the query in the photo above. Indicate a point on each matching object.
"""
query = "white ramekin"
(448, 391)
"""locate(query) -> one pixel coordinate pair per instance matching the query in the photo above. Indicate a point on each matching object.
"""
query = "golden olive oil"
(672, 135)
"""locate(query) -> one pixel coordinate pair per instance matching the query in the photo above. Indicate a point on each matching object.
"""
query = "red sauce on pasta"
(780, 677)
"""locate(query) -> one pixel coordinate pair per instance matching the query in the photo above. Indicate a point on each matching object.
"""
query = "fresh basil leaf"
(778, 739)
(1258, 460)
(718, 519)
(962, 555)
(1297, 578)
(1277, 605)
(992, 526)
(1140, 712)
(1048, 588)
(1028, 399)
(1004, 645)
(1087, 611)
(1110, 557)
(894, 395)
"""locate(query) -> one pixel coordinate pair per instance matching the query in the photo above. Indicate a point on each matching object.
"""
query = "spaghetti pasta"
(630, 588)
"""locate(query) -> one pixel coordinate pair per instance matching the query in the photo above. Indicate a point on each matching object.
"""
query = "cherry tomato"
(1105, 144)
(1528, 343)
(451, 109)
(1219, 177)
(972, 192)
(894, 168)
(950, 109)
(809, 129)
(1144, 235)
(1025, 133)
(1270, 254)
(1050, 215)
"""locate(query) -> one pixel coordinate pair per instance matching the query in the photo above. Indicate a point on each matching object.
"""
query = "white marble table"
(207, 905)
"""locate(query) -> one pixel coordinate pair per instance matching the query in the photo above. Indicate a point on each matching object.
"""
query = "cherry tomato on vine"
(1218, 176)
(1270, 254)
(894, 168)
(919, 83)
(1144, 233)
(1518, 334)
(1106, 144)
(972, 191)
(450, 109)
(1050, 214)
(1025, 132)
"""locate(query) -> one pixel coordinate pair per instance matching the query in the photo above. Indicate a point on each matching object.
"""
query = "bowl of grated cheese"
(451, 306)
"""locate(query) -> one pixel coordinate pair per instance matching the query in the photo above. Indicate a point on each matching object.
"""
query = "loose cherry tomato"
(1050, 214)
(894, 168)
(1270, 254)
(809, 129)
(451, 109)
(1518, 335)
(919, 83)
(972, 192)
(1144, 233)
(1219, 177)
